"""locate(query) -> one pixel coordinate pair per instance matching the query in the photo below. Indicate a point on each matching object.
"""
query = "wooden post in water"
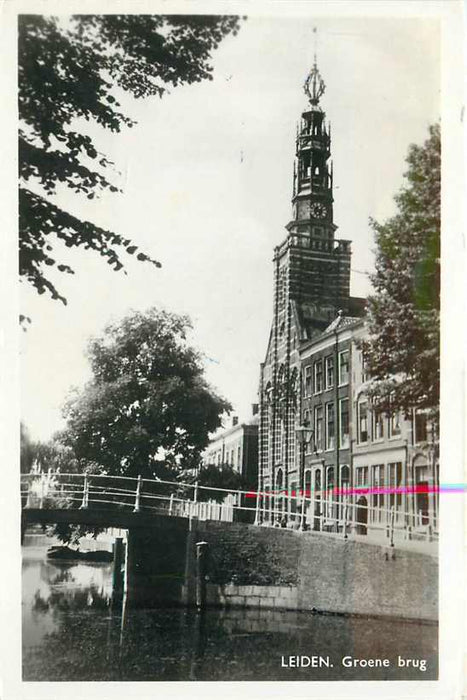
(117, 576)
(201, 570)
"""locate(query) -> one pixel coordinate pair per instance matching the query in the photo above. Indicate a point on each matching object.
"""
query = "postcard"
(235, 393)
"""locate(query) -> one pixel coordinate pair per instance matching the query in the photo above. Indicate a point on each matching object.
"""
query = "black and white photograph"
(237, 429)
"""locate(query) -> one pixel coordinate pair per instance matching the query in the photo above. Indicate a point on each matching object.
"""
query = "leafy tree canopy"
(402, 354)
(68, 70)
(216, 476)
(148, 409)
(27, 450)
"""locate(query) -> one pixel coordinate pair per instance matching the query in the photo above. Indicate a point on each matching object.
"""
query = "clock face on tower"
(318, 210)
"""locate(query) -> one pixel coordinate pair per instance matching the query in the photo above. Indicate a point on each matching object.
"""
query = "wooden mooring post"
(117, 576)
(201, 571)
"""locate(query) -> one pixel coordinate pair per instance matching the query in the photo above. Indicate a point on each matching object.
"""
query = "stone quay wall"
(259, 567)
(271, 567)
(232, 596)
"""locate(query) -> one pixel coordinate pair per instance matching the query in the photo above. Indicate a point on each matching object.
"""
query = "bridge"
(121, 501)
(176, 533)
(103, 500)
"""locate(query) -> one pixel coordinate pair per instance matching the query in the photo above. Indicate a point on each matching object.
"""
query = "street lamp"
(304, 436)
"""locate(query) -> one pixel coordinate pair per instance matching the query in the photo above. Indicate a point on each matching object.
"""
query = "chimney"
(234, 421)
(254, 408)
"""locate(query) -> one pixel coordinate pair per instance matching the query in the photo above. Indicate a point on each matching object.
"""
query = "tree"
(148, 409)
(402, 353)
(215, 476)
(52, 455)
(27, 450)
(68, 72)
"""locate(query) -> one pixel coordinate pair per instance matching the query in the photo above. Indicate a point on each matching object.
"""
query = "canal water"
(71, 633)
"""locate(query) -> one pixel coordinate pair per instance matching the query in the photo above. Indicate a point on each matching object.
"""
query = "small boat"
(66, 553)
(63, 552)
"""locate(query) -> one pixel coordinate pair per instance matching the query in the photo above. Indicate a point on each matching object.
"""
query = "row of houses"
(354, 462)
(341, 451)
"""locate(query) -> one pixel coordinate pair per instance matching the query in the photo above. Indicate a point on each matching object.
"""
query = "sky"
(207, 182)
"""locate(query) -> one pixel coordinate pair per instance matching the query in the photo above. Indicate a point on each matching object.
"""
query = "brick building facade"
(317, 430)
(237, 446)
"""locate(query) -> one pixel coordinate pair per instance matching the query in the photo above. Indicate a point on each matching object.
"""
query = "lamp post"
(304, 437)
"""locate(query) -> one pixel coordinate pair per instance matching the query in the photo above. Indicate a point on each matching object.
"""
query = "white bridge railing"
(135, 494)
(322, 512)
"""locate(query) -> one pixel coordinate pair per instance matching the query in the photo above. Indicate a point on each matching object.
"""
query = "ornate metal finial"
(314, 84)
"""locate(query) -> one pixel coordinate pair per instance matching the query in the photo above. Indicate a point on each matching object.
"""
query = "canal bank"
(72, 633)
(256, 567)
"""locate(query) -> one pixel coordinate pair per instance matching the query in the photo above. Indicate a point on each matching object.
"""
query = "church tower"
(319, 264)
(311, 287)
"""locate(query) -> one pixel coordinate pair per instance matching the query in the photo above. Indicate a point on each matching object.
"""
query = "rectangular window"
(395, 424)
(378, 476)
(293, 500)
(329, 372)
(319, 427)
(331, 506)
(378, 501)
(395, 482)
(363, 421)
(307, 422)
(344, 423)
(330, 426)
(283, 445)
(378, 424)
(365, 374)
(318, 376)
(361, 477)
(308, 381)
(277, 454)
(420, 427)
(344, 367)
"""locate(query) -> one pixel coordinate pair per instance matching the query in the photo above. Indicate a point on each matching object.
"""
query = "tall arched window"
(345, 476)
(279, 498)
(317, 509)
(344, 484)
(330, 496)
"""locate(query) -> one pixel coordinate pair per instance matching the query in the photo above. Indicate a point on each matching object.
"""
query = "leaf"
(68, 73)
(407, 288)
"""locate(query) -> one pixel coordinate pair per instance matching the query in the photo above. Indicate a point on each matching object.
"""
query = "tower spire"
(315, 45)
(314, 84)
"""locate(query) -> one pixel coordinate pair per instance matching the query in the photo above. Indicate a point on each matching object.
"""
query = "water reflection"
(71, 633)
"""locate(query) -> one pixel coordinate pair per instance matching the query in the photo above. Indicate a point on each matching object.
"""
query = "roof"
(223, 432)
(341, 322)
